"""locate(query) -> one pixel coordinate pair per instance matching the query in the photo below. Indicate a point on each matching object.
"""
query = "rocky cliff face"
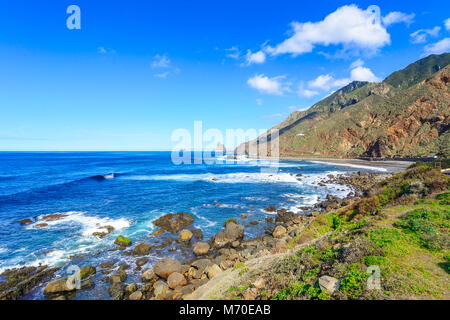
(407, 115)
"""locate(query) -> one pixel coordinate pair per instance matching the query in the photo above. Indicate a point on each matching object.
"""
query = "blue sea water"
(129, 190)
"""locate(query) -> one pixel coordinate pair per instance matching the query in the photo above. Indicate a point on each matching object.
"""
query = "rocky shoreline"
(172, 279)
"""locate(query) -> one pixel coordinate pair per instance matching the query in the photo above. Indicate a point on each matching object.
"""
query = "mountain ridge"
(406, 115)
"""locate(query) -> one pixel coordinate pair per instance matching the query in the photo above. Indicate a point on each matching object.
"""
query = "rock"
(140, 262)
(171, 249)
(232, 232)
(118, 277)
(201, 248)
(164, 267)
(270, 209)
(60, 285)
(54, 216)
(269, 219)
(235, 244)
(137, 295)
(25, 221)
(87, 271)
(123, 241)
(254, 222)
(115, 291)
(107, 264)
(142, 249)
(184, 236)
(42, 225)
(231, 220)
(158, 232)
(226, 264)
(160, 288)
(101, 235)
(329, 284)
(243, 216)
(213, 271)
(174, 222)
(129, 289)
(176, 279)
(148, 275)
(198, 234)
(279, 232)
(17, 282)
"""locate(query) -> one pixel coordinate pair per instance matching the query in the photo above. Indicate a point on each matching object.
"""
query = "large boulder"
(164, 267)
(213, 271)
(123, 241)
(288, 217)
(185, 236)
(176, 279)
(87, 271)
(231, 233)
(142, 249)
(148, 275)
(60, 285)
(279, 232)
(174, 222)
(201, 248)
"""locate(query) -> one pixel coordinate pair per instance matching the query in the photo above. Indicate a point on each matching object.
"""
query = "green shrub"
(354, 281)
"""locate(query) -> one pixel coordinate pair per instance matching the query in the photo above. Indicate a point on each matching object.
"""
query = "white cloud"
(255, 58)
(326, 82)
(161, 61)
(233, 53)
(397, 17)
(447, 24)
(302, 92)
(103, 50)
(420, 36)
(363, 74)
(438, 47)
(357, 63)
(348, 25)
(162, 75)
(259, 101)
(268, 85)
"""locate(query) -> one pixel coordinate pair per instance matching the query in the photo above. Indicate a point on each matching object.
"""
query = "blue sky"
(137, 70)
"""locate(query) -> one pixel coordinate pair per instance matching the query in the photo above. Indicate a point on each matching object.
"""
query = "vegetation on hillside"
(401, 228)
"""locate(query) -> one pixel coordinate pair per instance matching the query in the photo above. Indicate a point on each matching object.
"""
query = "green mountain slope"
(407, 115)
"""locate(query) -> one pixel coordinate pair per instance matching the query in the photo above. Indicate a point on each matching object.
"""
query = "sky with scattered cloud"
(144, 69)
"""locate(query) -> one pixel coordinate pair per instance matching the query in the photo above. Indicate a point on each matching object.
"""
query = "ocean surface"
(128, 190)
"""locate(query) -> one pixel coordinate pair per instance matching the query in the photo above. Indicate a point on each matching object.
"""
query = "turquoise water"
(128, 190)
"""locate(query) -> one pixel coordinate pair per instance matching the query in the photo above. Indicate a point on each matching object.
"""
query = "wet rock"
(270, 209)
(54, 216)
(164, 267)
(107, 264)
(42, 225)
(269, 219)
(279, 232)
(198, 234)
(254, 222)
(123, 242)
(329, 284)
(118, 277)
(213, 271)
(86, 272)
(140, 262)
(148, 276)
(201, 248)
(243, 216)
(174, 222)
(172, 249)
(26, 221)
(185, 236)
(60, 285)
(142, 249)
(176, 279)
(18, 282)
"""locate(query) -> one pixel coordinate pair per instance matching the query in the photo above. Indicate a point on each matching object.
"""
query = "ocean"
(128, 190)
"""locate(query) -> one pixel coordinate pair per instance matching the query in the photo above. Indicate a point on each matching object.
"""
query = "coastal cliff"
(406, 115)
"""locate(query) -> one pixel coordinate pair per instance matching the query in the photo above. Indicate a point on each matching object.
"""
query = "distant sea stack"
(220, 148)
(406, 115)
